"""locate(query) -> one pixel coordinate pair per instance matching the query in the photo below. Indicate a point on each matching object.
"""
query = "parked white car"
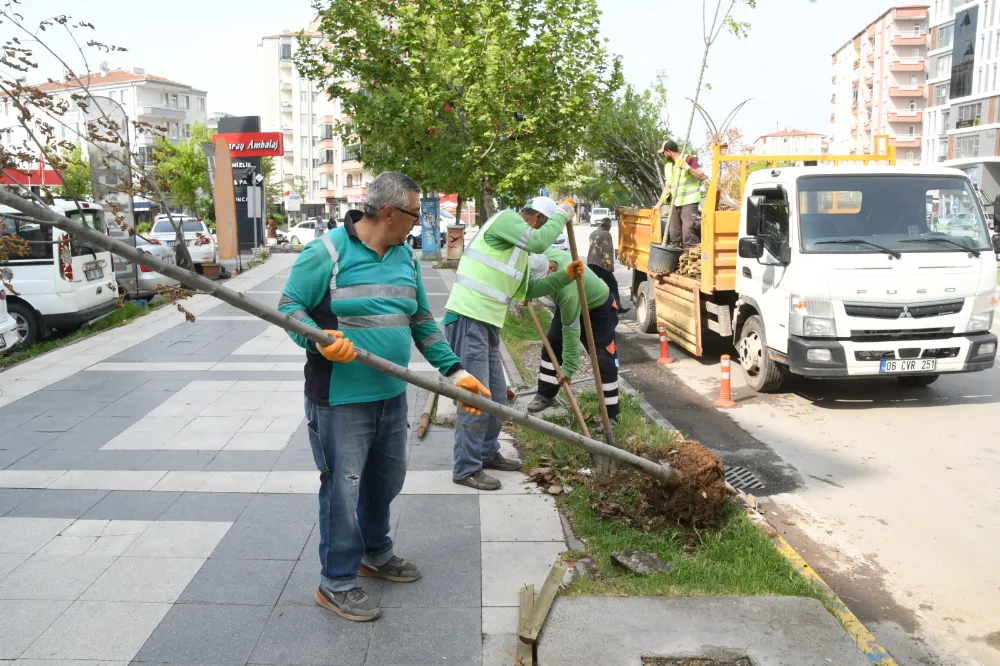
(8, 327)
(197, 235)
(303, 232)
(598, 215)
(63, 282)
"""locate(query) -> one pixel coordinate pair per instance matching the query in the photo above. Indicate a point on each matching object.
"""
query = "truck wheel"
(645, 307)
(919, 380)
(28, 329)
(760, 371)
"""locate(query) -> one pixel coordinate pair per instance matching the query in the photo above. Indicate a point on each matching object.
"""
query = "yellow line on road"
(864, 638)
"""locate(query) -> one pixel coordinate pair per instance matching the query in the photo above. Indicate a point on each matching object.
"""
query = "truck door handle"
(747, 273)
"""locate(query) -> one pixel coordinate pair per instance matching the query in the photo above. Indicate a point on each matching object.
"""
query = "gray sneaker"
(480, 481)
(503, 464)
(397, 570)
(540, 403)
(355, 605)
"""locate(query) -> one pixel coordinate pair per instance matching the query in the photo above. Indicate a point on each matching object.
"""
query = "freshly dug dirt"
(660, 661)
(641, 502)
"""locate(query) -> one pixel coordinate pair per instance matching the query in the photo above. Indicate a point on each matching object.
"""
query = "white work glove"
(568, 211)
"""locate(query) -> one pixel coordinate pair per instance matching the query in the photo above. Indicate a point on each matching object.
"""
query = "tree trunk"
(435, 384)
(458, 210)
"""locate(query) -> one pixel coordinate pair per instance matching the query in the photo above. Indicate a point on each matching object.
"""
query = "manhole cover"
(742, 479)
(659, 661)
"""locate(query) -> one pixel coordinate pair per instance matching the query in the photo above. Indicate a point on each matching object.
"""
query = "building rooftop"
(789, 132)
(112, 77)
(877, 19)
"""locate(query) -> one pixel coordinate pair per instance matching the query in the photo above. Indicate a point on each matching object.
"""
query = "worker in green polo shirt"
(493, 271)
(361, 283)
(564, 333)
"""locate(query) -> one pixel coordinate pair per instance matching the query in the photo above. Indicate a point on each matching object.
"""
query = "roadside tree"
(482, 98)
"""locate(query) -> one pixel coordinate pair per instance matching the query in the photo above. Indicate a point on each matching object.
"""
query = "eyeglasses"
(415, 216)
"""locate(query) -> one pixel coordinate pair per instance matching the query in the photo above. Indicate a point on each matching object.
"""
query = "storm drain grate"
(742, 479)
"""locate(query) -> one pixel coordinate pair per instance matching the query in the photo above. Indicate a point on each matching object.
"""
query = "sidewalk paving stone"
(203, 633)
(209, 507)
(24, 621)
(59, 504)
(131, 505)
(312, 635)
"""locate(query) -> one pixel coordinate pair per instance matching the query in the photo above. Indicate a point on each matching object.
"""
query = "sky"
(784, 64)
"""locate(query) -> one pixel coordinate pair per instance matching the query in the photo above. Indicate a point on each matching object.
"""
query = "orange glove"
(341, 351)
(569, 202)
(463, 380)
(575, 270)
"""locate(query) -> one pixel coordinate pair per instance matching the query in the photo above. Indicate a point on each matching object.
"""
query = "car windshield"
(837, 213)
(600, 211)
(190, 226)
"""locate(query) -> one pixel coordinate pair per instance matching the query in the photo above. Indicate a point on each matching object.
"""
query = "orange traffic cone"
(725, 400)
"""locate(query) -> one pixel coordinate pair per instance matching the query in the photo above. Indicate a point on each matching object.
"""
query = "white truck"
(832, 272)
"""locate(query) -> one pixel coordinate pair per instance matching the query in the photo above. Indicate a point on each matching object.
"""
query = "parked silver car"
(138, 281)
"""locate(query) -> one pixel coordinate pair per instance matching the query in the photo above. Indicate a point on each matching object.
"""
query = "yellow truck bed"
(687, 306)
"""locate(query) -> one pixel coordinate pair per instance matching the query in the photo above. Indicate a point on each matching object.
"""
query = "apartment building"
(880, 85)
(163, 103)
(791, 142)
(317, 164)
(964, 112)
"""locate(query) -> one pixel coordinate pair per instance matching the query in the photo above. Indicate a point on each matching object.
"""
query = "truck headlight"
(982, 313)
(811, 318)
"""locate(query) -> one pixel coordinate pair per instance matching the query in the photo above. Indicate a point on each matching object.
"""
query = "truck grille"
(916, 311)
(904, 334)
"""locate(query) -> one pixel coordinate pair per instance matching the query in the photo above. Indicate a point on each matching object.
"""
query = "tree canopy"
(75, 174)
(473, 97)
(182, 172)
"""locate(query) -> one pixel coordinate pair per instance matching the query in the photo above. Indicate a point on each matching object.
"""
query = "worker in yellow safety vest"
(682, 178)
(493, 272)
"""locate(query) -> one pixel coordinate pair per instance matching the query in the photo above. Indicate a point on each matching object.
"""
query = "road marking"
(864, 638)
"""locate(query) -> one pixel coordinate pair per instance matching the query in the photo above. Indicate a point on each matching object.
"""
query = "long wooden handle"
(555, 363)
(609, 436)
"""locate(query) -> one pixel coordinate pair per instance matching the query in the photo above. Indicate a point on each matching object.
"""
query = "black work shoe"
(540, 403)
(355, 605)
(397, 570)
(480, 481)
(502, 464)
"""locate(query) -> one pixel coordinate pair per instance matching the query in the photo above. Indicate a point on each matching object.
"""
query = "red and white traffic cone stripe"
(664, 346)
(725, 400)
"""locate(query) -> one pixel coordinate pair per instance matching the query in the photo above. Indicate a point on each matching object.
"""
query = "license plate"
(916, 365)
(3, 342)
(170, 243)
(94, 274)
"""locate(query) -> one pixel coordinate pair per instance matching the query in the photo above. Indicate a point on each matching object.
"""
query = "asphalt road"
(892, 494)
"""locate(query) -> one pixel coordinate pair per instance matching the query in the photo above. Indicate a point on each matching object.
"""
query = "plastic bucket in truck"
(664, 260)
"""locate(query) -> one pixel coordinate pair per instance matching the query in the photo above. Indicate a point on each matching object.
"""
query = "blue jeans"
(360, 451)
(477, 441)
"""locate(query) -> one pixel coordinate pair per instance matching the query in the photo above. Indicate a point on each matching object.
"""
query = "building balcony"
(286, 129)
(908, 142)
(908, 65)
(355, 194)
(857, 63)
(286, 107)
(833, 98)
(325, 120)
(289, 176)
(869, 102)
(325, 144)
(906, 91)
(909, 40)
(855, 84)
(326, 194)
(161, 112)
(868, 125)
(906, 117)
(327, 168)
(870, 57)
(870, 33)
(869, 80)
(833, 79)
(833, 117)
(914, 13)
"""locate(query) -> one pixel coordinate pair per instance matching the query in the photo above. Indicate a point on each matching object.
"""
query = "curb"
(862, 637)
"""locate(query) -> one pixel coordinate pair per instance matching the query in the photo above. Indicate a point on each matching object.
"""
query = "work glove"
(569, 202)
(463, 380)
(576, 269)
(341, 351)
(567, 210)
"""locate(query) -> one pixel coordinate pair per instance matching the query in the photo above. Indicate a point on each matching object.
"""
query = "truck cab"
(845, 272)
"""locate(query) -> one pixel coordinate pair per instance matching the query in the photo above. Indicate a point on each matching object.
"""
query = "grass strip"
(119, 317)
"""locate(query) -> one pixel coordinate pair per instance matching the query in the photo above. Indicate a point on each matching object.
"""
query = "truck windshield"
(904, 213)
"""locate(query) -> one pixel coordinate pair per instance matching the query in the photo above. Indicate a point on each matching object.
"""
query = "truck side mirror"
(996, 243)
(750, 248)
(996, 212)
(754, 206)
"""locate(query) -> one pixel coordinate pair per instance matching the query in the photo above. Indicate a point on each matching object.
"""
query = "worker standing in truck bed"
(682, 178)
